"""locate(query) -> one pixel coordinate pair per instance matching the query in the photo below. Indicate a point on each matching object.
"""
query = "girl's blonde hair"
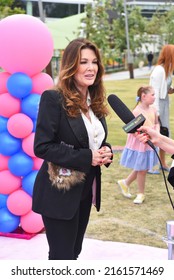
(141, 90)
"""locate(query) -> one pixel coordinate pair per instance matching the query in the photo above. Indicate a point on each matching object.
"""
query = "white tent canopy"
(64, 30)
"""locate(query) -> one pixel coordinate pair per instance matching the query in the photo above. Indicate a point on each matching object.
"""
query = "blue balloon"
(20, 164)
(3, 200)
(28, 182)
(19, 85)
(30, 105)
(34, 124)
(9, 145)
(3, 124)
(8, 221)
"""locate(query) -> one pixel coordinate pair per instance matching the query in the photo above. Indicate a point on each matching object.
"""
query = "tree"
(109, 35)
(161, 27)
(10, 7)
(118, 28)
(136, 25)
(156, 28)
(167, 29)
(96, 26)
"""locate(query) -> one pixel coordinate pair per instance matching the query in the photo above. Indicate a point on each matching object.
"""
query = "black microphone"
(132, 122)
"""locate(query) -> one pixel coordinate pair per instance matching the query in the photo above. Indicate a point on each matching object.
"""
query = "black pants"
(65, 237)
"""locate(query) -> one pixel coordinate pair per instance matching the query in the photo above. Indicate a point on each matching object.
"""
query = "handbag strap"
(159, 121)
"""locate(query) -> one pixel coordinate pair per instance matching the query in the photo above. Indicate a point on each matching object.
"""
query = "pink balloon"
(32, 222)
(27, 145)
(9, 105)
(26, 44)
(37, 163)
(41, 82)
(3, 162)
(8, 182)
(3, 81)
(20, 125)
(19, 203)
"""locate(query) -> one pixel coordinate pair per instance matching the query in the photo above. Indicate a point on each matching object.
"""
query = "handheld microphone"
(132, 126)
(123, 112)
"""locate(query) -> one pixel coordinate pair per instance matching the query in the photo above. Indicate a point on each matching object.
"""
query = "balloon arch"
(26, 49)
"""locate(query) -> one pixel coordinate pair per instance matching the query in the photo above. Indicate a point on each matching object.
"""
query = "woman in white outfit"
(161, 81)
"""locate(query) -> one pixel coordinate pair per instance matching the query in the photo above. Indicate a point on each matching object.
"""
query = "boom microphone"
(123, 112)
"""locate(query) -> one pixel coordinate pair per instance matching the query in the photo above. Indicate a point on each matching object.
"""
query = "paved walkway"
(37, 249)
(143, 72)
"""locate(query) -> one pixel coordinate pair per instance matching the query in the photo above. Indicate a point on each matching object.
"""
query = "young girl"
(136, 155)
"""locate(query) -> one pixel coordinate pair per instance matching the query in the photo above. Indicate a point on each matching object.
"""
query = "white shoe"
(139, 199)
(124, 188)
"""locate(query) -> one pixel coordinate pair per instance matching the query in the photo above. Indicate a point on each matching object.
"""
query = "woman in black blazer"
(71, 136)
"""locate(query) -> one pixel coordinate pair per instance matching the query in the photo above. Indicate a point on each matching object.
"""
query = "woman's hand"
(145, 133)
(106, 154)
(171, 90)
(102, 156)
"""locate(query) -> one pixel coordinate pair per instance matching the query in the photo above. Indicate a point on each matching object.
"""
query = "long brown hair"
(66, 84)
(166, 58)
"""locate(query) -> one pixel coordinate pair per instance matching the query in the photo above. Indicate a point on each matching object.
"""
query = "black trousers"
(65, 237)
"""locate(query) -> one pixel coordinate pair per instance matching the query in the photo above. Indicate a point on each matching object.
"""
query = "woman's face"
(87, 70)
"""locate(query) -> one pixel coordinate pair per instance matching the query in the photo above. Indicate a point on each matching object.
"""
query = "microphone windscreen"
(120, 108)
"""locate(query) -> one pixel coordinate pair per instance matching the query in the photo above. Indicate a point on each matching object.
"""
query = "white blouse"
(159, 82)
(94, 128)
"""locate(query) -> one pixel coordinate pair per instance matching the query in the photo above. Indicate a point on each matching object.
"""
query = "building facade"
(65, 8)
(148, 8)
(55, 8)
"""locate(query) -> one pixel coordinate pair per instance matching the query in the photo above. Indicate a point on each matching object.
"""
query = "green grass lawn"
(120, 219)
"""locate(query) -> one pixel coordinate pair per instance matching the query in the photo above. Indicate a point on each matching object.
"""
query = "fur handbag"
(63, 178)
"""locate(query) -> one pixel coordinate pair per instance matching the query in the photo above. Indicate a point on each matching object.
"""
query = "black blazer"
(53, 129)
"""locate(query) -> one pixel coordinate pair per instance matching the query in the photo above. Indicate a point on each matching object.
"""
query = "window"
(57, 10)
